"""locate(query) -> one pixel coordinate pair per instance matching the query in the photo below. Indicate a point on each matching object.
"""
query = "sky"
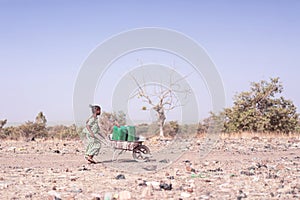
(43, 45)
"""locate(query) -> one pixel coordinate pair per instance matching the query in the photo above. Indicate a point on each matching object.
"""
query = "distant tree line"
(37, 129)
(261, 109)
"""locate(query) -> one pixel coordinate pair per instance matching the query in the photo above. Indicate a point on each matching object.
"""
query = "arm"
(89, 129)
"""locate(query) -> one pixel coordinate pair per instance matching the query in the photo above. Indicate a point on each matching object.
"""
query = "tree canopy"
(261, 109)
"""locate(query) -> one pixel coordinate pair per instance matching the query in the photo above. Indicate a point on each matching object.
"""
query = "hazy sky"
(44, 43)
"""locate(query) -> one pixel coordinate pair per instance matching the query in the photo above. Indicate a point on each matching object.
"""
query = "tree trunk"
(161, 130)
(161, 123)
(161, 118)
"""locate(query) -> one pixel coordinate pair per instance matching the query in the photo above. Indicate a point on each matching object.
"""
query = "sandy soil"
(237, 168)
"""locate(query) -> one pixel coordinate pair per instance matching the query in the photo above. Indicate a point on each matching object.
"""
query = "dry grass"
(248, 135)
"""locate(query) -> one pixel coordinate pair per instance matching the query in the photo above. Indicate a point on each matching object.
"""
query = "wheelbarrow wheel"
(141, 153)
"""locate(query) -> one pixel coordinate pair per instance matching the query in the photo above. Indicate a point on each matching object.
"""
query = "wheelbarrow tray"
(125, 145)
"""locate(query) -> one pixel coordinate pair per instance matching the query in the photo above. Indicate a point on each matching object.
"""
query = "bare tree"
(162, 99)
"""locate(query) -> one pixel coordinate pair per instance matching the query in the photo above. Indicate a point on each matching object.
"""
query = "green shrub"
(260, 110)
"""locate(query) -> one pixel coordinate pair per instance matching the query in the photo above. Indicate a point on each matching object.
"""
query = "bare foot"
(90, 159)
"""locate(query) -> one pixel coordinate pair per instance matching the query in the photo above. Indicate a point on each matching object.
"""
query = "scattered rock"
(28, 195)
(76, 190)
(56, 151)
(124, 195)
(255, 138)
(73, 178)
(188, 166)
(215, 170)
(247, 173)
(171, 177)
(261, 165)
(190, 190)
(241, 195)
(28, 170)
(231, 171)
(83, 168)
(147, 191)
(150, 167)
(96, 198)
(4, 184)
(120, 176)
(280, 166)
(204, 197)
(185, 194)
(53, 195)
(141, 182)
(165, 186)
(154, 184)
(164, 161)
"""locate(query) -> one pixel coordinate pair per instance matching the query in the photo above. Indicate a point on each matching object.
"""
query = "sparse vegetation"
(259, 110)
(38, 129)
(2, 123)
(63, 132)
(41, 118)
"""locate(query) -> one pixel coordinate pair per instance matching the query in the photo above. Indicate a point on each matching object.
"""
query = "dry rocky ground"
(237, 168)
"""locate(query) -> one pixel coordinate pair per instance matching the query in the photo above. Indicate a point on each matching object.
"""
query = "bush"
(63, 132)
(188, 130)
(31, 130)
(27, 131)
(260, 110)
(142, 129)
(171, 128)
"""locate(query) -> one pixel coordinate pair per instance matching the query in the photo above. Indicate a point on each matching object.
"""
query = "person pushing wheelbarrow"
(91, 130)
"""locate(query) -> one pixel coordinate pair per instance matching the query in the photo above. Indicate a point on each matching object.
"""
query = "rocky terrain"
(236, 168)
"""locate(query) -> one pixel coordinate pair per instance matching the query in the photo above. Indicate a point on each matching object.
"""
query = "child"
(91, 130)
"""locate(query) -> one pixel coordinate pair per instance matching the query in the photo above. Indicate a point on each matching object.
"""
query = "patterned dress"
(94, 145)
